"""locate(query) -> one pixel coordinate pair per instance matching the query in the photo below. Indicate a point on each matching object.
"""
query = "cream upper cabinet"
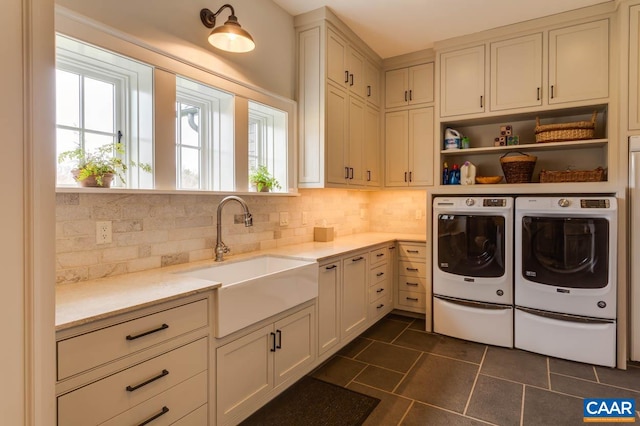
(516, 72)
(337, 85)
(409, 147)
(409, 86)
(372, 148)
(462, 88)
(345, 65)
(372, 83)
(579, 62)
(634, 68)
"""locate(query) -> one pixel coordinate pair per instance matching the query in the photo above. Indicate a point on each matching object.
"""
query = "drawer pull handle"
(146, 333)
(162, 412)
(146, 382)
(379, 254)
(412, 284)
(379, 274)
(392, 248)
(413, 299)
(413, 251)
(380, 306)
(380, 290)
(412, 269)
(357, 259)
(279, 345)
(328, 268)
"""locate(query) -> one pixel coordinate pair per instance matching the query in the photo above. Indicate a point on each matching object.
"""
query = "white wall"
(27, 359)
(175, 27)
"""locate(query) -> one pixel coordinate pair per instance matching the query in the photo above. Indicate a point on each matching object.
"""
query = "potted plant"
(97, 168)
(263, 180)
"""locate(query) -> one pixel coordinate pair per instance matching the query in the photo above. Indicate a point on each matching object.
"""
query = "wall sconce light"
(230, 36)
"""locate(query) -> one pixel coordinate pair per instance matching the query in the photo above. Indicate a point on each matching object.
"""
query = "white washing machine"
(472, 268)
(565, 277)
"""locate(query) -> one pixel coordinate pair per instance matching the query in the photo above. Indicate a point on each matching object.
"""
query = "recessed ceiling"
(397, 27)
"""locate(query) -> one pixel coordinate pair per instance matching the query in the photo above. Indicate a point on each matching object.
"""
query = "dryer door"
(566, 252)
(471, 245)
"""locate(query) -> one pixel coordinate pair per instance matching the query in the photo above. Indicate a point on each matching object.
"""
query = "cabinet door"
(356, 143)
(462, 82)
(372, 83)
(421, 84)
(336, 59)
(634, 68)
(329, 279)
(353, 314)
(244, 372)
(356, 66)
(396, 139)
(579, 62)
(396, 88)
(516, 72)
(372, 146)
(294, 345)
(420, 147)
(337, 106)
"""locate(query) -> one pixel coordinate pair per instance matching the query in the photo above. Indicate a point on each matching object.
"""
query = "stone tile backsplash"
(156, 230)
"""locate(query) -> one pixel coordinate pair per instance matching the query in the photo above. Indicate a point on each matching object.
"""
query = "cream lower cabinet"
(354, 295)
(148, 365)
(380, 284)
(411, 292)
(252, 367)
(409, 148)
(328, 305)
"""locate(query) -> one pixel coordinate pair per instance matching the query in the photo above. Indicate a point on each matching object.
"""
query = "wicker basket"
(597, 175)
(518, 168)
(577, 130)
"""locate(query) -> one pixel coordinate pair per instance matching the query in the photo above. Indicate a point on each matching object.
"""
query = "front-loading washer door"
(471, 246)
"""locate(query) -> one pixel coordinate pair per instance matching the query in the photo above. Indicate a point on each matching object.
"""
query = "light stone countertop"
(87, 301)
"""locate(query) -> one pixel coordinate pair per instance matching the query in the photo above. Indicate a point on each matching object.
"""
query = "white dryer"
(472, 268)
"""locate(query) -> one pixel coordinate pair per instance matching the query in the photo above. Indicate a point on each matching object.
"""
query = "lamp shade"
(231, 37)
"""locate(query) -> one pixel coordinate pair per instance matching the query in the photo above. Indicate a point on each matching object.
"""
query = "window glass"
(268, 142)
(102, 98)
(204, 137)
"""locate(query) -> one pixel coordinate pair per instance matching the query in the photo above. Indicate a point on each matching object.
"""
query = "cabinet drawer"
(198, 417)
(102, 400)
(378, 256)
(95, 348)
(412, 284)
(379, 290)
(412, 269)
(170, 407)
(378, 275)
(412, 299)
(413, 251)
(380, 308)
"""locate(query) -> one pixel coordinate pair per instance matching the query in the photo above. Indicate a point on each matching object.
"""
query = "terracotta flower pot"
(91, 181)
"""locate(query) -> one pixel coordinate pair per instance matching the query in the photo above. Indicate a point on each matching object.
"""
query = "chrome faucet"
(221, 248)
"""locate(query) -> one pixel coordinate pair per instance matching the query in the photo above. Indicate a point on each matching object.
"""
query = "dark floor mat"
(312, 402)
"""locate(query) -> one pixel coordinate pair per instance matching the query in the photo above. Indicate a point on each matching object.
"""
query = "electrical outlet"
(305, 218)
(284, 218)
(418, 214)
(103, 232)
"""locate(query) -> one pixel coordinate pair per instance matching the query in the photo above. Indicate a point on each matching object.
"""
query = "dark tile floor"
(427, 379)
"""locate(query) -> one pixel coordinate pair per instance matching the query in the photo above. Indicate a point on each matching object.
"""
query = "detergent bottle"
(454, 175)
(467, 173)
(445, 174)
(451, 138)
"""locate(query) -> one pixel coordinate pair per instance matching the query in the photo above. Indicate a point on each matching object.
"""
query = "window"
(103, 98)
(268, 141)
(204, 137)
